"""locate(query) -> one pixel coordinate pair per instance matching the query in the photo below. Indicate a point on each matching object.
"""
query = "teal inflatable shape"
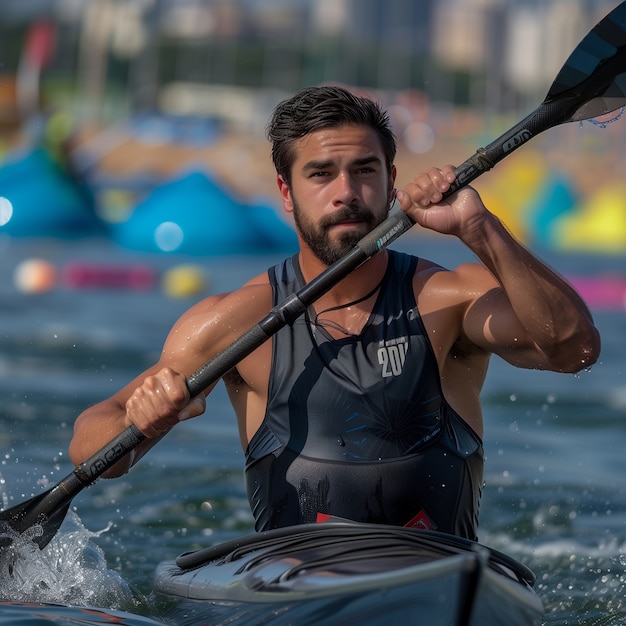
(40, 199)
(556, 197)
(276, 232)
(193, 214)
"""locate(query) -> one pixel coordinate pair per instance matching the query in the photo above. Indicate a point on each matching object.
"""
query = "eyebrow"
(321, 165)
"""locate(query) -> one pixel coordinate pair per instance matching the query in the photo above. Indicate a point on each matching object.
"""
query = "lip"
(346, 225)
(348, 222)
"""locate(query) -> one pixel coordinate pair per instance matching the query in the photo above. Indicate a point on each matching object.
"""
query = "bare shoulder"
(436, 286)
(216, 321)
(443, 298)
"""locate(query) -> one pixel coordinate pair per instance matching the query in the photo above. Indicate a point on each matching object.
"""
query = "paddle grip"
(91, 469)
(546, 115)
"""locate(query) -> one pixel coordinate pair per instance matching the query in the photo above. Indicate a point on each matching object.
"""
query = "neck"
(357, 284)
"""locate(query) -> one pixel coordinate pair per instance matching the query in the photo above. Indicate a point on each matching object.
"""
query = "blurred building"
(115, 56)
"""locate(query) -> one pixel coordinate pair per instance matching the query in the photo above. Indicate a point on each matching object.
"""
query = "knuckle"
(178, 392)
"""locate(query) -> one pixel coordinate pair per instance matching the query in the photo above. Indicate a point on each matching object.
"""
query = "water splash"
(580, 583)
(70, 570)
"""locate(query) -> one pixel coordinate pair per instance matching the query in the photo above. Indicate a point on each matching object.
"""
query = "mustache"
(348, 213)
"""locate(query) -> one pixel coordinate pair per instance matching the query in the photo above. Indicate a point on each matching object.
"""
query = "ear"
(391, 192)
(285, 193)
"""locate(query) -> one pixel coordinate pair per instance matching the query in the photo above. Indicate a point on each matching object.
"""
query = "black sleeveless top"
(358, 427)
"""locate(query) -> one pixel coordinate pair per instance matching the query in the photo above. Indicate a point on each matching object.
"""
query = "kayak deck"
(338, 573)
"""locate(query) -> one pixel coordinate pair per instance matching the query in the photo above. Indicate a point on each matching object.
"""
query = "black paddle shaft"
(591, 83)
(282, 314)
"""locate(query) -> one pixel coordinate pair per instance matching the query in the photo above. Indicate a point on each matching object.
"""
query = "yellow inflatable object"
(598, 225)
(509, 188)
(184, 281)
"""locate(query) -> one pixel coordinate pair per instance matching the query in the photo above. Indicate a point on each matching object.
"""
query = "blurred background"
(135, 178)
(118, 106)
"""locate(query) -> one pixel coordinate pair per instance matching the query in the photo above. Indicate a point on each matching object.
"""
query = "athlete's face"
(340, 189)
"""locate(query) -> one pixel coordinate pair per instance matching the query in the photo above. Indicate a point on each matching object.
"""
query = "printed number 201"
(392, 358)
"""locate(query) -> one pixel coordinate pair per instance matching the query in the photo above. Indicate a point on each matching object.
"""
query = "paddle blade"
(25, 516)
(48, 509)
(594, 75)
(44, 514)
(592, 83)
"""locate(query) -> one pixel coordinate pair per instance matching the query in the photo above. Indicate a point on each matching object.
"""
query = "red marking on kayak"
(422, 521)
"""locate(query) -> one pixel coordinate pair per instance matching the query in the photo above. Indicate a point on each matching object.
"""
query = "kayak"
(337, 573)
(47, 614)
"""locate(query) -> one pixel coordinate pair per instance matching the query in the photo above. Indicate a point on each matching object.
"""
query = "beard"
(317, 236)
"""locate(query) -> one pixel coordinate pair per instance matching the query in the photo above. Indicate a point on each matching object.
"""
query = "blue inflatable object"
(195, 215)
(39, 199)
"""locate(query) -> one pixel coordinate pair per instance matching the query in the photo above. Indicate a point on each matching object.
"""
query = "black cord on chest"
(336, 326)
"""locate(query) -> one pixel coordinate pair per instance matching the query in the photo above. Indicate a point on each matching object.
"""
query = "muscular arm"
(530, 316)
(513, 305)
(99, 424)
(158, 399)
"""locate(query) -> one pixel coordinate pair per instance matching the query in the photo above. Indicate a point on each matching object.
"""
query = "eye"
(319, 174)
(366, 171)
(368, 166)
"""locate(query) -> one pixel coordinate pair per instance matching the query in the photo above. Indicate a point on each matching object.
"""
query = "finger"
(154, 406)
(449, 172)
(428, 187)
(196, 407)
(435, 183)
(142, 411)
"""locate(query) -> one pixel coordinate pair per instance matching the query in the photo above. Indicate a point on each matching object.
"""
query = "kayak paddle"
(591, 83)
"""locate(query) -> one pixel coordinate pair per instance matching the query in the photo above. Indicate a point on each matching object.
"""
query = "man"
(368, 407)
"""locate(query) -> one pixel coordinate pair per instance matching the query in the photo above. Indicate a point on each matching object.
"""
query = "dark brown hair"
(316, 108)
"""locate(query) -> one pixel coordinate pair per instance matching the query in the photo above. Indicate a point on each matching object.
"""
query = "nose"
(346, 190)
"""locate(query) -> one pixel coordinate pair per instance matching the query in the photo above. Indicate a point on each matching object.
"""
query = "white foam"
(71, 569)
